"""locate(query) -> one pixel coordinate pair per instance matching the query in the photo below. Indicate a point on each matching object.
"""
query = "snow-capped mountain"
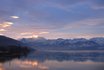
(65, 44)
(99, 40)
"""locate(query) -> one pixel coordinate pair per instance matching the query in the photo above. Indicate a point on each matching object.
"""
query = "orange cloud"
(3, 27)
(6, 24)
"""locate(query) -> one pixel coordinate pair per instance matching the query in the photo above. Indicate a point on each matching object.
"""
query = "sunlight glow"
(35, 36)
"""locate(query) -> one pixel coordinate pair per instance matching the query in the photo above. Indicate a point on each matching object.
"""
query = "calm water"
(54, 61)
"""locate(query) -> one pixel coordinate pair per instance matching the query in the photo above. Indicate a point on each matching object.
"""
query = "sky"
(52, 18)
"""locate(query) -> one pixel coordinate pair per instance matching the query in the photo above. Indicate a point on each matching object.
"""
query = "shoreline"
(74, 51)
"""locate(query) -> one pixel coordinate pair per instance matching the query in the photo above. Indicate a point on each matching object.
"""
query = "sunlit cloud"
(2, 30)
(29, 35)
(9, 23)
(32, 34)
(6, 24)
(15, 17)
(35, 36)
(26, 33)
(43, 32)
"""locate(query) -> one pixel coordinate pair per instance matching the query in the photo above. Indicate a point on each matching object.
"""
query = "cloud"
(26, 33)
(45, 16)
(67, 4)
(15, 17)
(94, 22)
(43, 32)
(67, 35)
(96, 4)
(32, 34)
(2, 30)
(6, 24)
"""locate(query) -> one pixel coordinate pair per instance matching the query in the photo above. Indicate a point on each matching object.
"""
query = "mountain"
(9, 46)
(6, 41)
(65, 44)
(25, 40)
(99, 40)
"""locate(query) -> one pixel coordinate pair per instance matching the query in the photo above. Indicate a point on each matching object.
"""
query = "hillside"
(6, 41)
(9, 46)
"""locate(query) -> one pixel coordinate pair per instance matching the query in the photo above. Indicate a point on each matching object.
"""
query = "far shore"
(74, 51)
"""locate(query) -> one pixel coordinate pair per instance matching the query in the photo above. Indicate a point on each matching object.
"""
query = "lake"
(48, 60)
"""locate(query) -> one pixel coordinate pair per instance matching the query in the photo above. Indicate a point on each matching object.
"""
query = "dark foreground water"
(54, 61)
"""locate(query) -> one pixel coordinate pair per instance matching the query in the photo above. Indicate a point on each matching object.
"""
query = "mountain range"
(65, 44)
(41, 43)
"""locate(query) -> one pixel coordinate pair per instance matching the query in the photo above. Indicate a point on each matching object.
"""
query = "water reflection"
(67, 56)
(4, 59)
(55, 61)
(22, 65)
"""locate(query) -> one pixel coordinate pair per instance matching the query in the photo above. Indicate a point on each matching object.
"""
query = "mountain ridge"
(65, 44)
(9, 46)
(6, 41)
